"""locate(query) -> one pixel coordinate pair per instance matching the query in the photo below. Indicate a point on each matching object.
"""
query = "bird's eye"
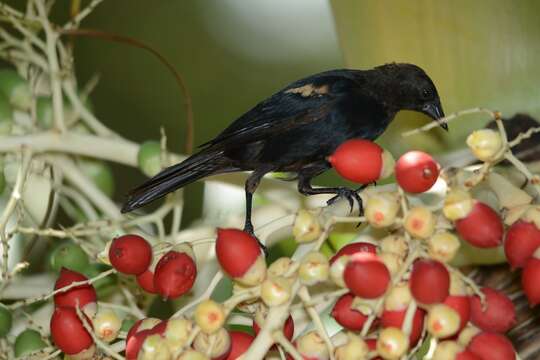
(426, 93)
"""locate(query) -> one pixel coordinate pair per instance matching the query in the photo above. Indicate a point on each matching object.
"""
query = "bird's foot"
(351, 196)
(248, 227)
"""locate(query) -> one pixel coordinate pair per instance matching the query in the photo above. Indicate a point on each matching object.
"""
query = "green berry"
(15, 88)
(70, 256)
(100, 173)
(6, 321)
(28, 341)
(6, 115)
(149, 157)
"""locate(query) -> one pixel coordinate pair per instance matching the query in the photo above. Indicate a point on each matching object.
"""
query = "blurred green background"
(234, 53)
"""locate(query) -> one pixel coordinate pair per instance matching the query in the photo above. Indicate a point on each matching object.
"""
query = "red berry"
(416, 171)
(492, 346)
(366, 275)
(134, 344)
(466, 355)
(68, 332)
(397, 317)
(230, 244)
(358, 160)
(140, 325)
(175, 274)
(429, 281)
(482, 227)
(461, 304)
(146, 281)
(347, 317)
(77, 296)
(499, 315)
(130, 254)
(529, 280)
(521, 240)
(353, 248)
(139, 332)
(240, 342)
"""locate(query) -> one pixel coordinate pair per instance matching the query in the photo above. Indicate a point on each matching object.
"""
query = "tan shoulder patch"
(309, 90)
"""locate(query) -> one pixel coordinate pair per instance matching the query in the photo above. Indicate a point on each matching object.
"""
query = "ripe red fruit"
(416, 171)
(146, 281)
(429, 281)
(499, 315)
(529, 281)
(68, 332)
(78, 296)
(240, 342)
(358, 160)
(397, 317)
(175, 274)
(461, 304)
(366, 275)
(230, 244)
(482, 227)
(353, 248)
(134, 343)
(521, 240)
(491, 346)
(466, 355)
(347, 317)
(130, 254)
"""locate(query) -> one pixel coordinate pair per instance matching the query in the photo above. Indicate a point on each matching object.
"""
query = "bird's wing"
(300, 103)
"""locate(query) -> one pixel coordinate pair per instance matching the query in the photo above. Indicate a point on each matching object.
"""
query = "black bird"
(295, 130)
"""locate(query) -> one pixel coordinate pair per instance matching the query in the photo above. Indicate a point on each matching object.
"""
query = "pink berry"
(68, 332)
(357, 160)
(416, 171)
(130, 254)
(482, 227)
(521, 240)
(491, 346)
(429, 281)
(366, 275)
(499, 314)
(175, 274)
(347, 317)
(529, 280)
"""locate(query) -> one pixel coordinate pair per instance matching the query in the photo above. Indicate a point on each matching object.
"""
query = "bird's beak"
(434, 110)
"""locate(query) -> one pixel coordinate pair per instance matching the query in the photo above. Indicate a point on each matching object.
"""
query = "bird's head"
(408, 87)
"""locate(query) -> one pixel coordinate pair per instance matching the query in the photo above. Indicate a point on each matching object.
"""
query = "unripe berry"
(210, 316)
(284, 266)
(457, 204)
(355, 348)
(177, 332)
(154, 347)
(447, 350)
(393, 262)
(275, 291)
(306, 227)
(314, 268)
(398, 298)
(466, 335)
(192, 355)
(394, 244)
(486, 144)
(442, 321)
(460, 304)
(420, 222)
(392, 343)
(381, 209)
(220, 343)
(312, 346)
(443, 246)
(107, 325)
(396, 319)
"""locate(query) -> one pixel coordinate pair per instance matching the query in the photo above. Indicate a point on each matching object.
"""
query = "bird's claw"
(249, 229)
(351, 196)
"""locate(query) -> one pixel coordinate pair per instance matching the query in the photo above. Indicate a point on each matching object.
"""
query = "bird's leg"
(304, 187)
(251, 185)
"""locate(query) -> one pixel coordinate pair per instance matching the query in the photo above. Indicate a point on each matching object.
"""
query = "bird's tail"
(174, 177)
